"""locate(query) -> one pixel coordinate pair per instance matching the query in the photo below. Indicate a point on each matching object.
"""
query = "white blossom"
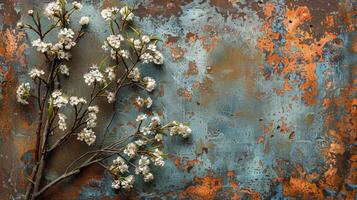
(116, 184)
(87, 135)
(62, 121)
(145, 38)
(20, 25)
(93, 75)
(134, 75)
(146, 130)
(150, 83)
(73, 101)
(92, 116)
(152, 47)
(148, 102)
(140, 142)
(110, 97)
(77, 5)
(94, 109)
(139, 101)
(110, 73)
(34, 73)
(30, 12)
(58, 99)
(84, 20)
(65, 38)
(158, 58)
(146, 57)
(41, 46)
(126, 13)
(23, 93)
(137, 44)
(131, 150)
(119, 166)
(53, 9)
(64, 69)
(113, 41)
(124, 53)
(141, 117)
(180, 129)
(108, 13)
(158, 137)
(155, 122)
(128, 182)
(158, 159)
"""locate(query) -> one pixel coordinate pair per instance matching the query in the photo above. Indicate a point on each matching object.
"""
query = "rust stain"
(177, 52)
(192, 69)
(185, 93)
(295, 186)
(12, 47)
(205, 188)
(162, 8)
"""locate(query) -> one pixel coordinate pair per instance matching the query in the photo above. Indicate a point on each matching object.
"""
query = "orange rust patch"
(296, 186)
(185, 93)
(12, 47)
(192, 69)
(205, 188)
(177, 52)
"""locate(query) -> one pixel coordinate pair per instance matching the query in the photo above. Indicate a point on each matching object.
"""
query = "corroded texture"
(268, 86)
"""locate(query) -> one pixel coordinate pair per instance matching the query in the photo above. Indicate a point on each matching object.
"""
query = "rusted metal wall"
(268, 86)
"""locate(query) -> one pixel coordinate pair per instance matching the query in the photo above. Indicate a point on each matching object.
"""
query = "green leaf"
(137, 32)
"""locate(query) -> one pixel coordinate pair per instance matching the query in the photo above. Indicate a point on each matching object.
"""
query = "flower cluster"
(109, 13)
(149, 83)
(87, 134)
(58, 99)
(62, 121)
(35, 73)
(140, 102)
(144, 169)
(93, 75)
(118, 168)
(148, 49)
(63, 69)
(23, 93)
(180, 129)
(74, 101)
(131, 150)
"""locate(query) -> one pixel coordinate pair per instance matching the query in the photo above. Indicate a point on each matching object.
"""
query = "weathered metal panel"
(268, 86)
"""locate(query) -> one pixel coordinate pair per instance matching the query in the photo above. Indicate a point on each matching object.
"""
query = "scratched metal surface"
(268, 86)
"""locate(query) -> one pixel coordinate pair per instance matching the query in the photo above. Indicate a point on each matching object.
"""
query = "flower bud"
(20, 25)
(30, 12)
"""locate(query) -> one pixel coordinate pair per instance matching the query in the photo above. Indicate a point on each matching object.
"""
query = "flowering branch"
(130, 156)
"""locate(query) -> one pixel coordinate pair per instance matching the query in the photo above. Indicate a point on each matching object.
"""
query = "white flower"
(158, 58)
(145, 39)
(34, 73)
(58, 99)
(139, 102)
(64, 70)
(23, 93)
(41, 46)
(92, 116)
(145, 130)
(87, 135)
(65, 38)
(110, 97)
(158, 159)
(53, 10)
(152, 47)
(148, 177)
(20, 25)
(126, 13)
(128, 182)
(94, 109)
(124, 53)
(93, 75)
(155, 122)
(113, 41)
(76, 100)
(30, 12)
(131, 150)
(158, 137)
(140, 142)
(148, 102)
(119, 166)
(77, 5)
(137, 44)
(62, 121)
(150, 83)
(141, 117)
(110, 73)
(180, 129)
(109, 13)
(116, 184)
(134, 75)
(146, 57)
(84, 21)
